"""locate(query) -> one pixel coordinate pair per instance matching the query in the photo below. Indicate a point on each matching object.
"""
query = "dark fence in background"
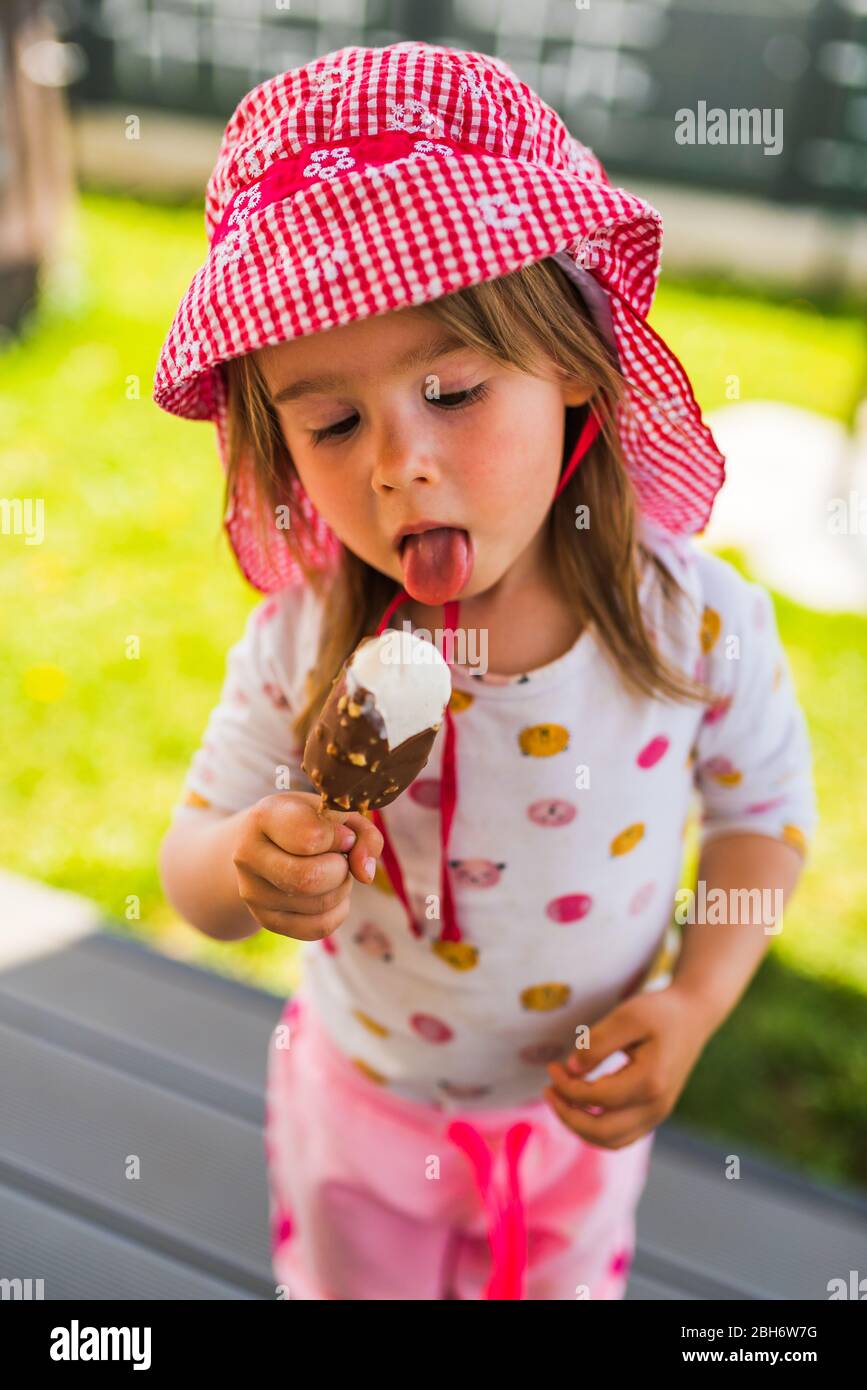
(617, 70)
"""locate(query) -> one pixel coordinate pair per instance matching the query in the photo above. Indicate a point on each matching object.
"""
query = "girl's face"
(388, 423)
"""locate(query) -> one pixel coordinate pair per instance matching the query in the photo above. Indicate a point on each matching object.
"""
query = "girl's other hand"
(663, 1032)
(295, 866)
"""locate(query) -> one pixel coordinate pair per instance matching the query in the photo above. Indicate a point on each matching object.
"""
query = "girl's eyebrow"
(441, 346)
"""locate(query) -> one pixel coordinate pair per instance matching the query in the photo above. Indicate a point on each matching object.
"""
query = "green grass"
(738, 345)
(97, 744)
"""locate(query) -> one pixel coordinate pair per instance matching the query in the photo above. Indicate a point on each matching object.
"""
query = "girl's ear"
(576, 394)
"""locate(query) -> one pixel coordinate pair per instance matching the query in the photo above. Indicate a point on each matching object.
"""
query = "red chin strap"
(449, 781)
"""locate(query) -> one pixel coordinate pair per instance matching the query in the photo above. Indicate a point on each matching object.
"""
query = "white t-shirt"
(567, 843)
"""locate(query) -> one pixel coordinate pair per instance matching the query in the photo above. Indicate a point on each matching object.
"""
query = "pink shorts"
(372, 1196)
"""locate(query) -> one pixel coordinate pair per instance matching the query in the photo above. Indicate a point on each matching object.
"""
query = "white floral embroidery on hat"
(188, 356)
(421, 149)
(432, 147)
(588, 252)
(329, 80)
(321, 167)
(244, 203)
(325, 261)
(471, 81)
(257, 158)
(413, 116)
(499, 210)
(231, 248)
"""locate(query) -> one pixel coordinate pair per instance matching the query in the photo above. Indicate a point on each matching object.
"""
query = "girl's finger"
(363, 856)
(631, 1086)
(302, 927)
(610, 1128)
(306, 875)
(264, 894)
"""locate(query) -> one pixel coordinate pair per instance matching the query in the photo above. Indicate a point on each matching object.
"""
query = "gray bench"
(110, 1049)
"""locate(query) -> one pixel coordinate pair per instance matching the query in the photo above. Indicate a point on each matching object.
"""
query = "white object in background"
(792, 477)
(38, 920)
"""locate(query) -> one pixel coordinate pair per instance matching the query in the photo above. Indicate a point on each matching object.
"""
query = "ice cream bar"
(378, 725)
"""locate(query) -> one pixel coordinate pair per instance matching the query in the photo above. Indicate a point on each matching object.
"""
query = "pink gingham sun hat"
(372, 179)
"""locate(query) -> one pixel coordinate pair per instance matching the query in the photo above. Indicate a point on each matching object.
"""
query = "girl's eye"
(458, 400)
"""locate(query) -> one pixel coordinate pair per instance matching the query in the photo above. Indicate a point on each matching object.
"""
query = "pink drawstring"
(591, 428)
(449, 777)
(448, 801)
(507, 1225)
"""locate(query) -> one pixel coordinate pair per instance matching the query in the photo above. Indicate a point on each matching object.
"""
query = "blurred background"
(118, 594)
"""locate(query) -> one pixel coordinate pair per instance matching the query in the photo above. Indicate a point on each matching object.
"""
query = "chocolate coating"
(347, 756)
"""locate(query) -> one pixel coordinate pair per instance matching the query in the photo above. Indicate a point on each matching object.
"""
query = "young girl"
(421, 332)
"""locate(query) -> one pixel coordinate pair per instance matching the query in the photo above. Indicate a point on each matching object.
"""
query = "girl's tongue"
(436, 564)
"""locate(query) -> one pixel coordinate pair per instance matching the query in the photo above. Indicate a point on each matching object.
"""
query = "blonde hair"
(511, 319)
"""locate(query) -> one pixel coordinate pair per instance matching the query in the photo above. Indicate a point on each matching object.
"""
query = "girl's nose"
(401, 461)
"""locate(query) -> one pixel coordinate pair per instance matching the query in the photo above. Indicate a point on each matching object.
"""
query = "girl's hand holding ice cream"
(297, 853)
(295, 863)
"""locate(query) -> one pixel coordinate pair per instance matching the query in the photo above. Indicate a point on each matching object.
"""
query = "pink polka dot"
(276, 696)
(639, 900)
(759, 807)
(291, 1011)
(717, 765)
(282, 1228)
(569, 908)
(425, 791)
(621, 1263)
(653, 751)
(715, 712)
(430, 1028)
(329, 945)
(548, 812)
